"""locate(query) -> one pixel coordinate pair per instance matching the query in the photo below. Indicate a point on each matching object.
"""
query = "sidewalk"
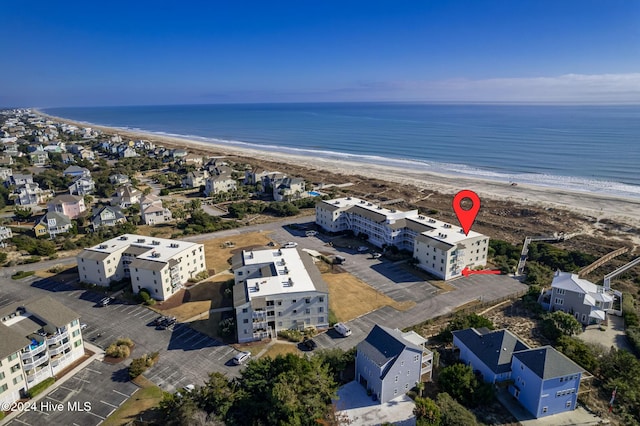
(98, 354)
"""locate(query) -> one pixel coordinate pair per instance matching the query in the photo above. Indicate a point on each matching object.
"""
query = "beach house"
(105, 216)
(160, 265)
(277, 289)
(126, 196)
(53, 224)
(389, 362)
(69, 205)
(153, 212)
(82, 185)
(586, 301)
(544, 381)
(439, 248)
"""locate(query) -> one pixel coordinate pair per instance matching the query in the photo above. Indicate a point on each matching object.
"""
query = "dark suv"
(309, 344)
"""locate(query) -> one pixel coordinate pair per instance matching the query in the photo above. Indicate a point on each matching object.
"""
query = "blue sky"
(138, 53)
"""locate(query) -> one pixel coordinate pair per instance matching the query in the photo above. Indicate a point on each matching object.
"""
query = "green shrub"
(629, 311)
(118, 351)
(633, 335)
(140, 365)
(124, 341)
(37, 389)
(291, 335)
(333, 319)
(32, 259)
(22, 274)
(454, 413)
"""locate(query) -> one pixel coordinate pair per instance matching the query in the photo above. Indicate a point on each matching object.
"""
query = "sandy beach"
(597, 206)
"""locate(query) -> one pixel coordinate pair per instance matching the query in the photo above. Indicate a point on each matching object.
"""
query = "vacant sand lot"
(219, 251)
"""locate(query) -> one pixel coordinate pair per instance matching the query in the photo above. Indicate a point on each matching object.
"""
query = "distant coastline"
(596, 205)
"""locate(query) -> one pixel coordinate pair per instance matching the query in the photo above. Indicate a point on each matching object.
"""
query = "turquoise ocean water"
(591, 148)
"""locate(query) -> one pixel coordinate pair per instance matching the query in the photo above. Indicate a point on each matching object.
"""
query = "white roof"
(572, 282)
(414, 338)
(164, 249)
(290, 275)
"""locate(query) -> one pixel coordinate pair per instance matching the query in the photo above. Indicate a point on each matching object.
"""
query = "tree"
(22, 213)
(427, 412)
(217, 395)
(462, 384)
(579, 352)
(559, 323)
(454, 414)
(461, 322)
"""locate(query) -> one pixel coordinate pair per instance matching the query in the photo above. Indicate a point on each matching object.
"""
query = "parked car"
(106, 301)
(83, 325)
(241, 358)
(311, 233)
(376, 255)
(362, 249)
(158, 320)
(310, 344)
(291, 244)
(189, 388)
(342, 329)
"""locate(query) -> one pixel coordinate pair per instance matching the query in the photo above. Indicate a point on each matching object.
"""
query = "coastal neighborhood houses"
(350, 296)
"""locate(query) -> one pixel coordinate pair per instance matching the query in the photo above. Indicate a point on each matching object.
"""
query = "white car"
(241, 358)
(311, 233)
(342, 329)
(362, 249)
(291, 244)
(189, 388)
(83, 326)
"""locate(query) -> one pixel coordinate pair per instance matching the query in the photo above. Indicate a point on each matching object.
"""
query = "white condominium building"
(440, 248)
(38, 339)
(160, 265)
(277, 289)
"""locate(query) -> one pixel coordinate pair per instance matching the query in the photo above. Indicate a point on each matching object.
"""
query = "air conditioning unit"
(155, 242)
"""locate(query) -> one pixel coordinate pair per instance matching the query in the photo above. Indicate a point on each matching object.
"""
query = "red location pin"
(466, 217)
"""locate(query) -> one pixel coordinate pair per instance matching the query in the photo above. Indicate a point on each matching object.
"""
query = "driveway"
(363, 411)
(610, 335)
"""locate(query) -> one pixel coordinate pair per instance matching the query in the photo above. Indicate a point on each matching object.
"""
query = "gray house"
(389, 363)
(586, 301)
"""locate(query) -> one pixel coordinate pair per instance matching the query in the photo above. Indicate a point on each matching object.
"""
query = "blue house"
(545, 382)
(488, 352)
(389, 362)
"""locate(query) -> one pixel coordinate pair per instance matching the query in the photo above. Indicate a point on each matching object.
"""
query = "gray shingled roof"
(12, 341)
(93, 255)
(59, 217)
(369, 214)
(51, 311)
(148, 264)
(548, 363)
(240, 296)
(494, 349)
(383, 344)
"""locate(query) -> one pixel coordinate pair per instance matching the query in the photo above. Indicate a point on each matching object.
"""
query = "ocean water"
(589, 148)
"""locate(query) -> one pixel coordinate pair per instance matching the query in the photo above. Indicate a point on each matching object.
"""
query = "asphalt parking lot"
(87, 398)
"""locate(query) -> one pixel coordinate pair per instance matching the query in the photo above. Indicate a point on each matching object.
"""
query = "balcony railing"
(57, 338)
(59, 349)
(29, 353)
(38, 362)
(39, 376)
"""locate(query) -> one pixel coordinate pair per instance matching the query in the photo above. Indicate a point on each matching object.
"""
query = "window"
(245, 321)
(395, 391)
(401, 363)
(416, 358)
(560, 291)
(13, 356)
(3, 388)
(75, 333)
(568, 404)
(15, 368)
(321, 299)
(307, 311)
(293, 301)
(245, 310)
(320, 309)
(307, 300)
(397, 377)
(77, 343)
(295, 311)
(17, 380)
(1, 375)
(559, 301)
(279, 314)
(406, 386)
(279, 302)
(545, 409)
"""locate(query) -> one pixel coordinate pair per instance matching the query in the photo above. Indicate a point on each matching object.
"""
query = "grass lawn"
(197, 299)
(141, 403)
(282, 349)
(253, 347)
(349, 297)
(218, 254)
(440, 284)
(208, 324)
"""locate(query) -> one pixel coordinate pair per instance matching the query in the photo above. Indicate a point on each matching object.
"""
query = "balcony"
(32, 351)
(36, 363)
(38, 376)
(59, 349)
(57, 338)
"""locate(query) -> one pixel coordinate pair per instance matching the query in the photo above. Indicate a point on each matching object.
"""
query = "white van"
(342, 329)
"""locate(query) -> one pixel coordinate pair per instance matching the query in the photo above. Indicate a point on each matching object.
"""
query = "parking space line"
(94, 414)
(20, 421)
(120, 393)
(204, 338)
(110, 405)
(70, 390)
(93, 371)
(53, 399)
(111, 412)
(141, 312)
(225, 354)
(83, 380)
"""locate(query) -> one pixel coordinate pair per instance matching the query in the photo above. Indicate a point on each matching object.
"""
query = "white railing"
(36, 363)
(33, 352)
(57, 338)
(60, 349)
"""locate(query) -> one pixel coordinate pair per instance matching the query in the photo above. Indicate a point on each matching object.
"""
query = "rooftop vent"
(176, 245)
(124, 238)
(393, 210)
(421, 217)
(432, 221)
(446, 225)
(103, 246)
(362, 201)
(369, 204)
(336, 202)
(286, 270)
(155, 242)
(155, 254)
(290, 282)
(141, 240)
(348, 198)
(257, 287)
